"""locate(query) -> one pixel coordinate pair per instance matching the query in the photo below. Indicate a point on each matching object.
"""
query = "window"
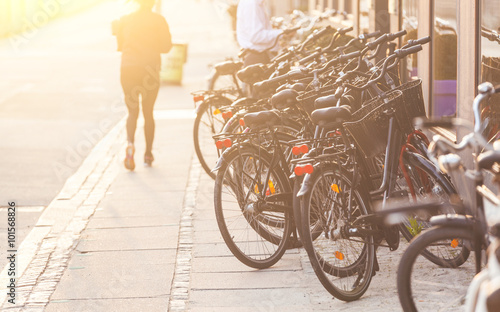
(444, 71)
(410, 24)
(490, 63)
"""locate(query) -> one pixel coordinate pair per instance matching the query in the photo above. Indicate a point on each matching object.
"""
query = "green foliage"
(415, 228)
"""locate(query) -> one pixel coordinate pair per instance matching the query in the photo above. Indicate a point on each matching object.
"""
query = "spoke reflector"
(217, 111)
(336, 188)
(339, 255)
(454, 243)
(256, 189)
(271, 187)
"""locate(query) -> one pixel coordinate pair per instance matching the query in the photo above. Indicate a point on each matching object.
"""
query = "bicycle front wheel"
(253, 207)
(206, 125)
(343, 264)
(425, 286)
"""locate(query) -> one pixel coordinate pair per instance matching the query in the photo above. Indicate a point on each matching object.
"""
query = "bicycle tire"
(223, 82)
(256, 237)
(206, 124)
(344, 275)
(437, 288)
(426, 183)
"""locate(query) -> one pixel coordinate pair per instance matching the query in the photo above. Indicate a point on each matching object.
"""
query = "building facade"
(461, 55)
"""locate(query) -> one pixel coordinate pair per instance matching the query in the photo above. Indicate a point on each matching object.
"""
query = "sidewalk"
(115, 240)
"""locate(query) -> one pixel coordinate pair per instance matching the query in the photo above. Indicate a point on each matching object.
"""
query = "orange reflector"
(256, 189)
(304, 149)
(271, 187)
(308, 169)
(336, 188)
(217, 111)
(227, 143)
(339, 255)
(242, 122)
(296, 150)
(454, 243)
(219, 144)
(298, 171)
(198, 98)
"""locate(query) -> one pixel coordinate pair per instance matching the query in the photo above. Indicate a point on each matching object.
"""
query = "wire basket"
(370, 125)
(414, 106)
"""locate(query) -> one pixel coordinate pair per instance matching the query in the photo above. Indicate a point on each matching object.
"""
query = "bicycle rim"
(343, 265)
(206, 125)
(256, 234)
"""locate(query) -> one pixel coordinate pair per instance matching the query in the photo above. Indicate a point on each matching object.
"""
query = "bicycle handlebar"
(294, 74)
(389, 62)
(345, 30)
(420, 41)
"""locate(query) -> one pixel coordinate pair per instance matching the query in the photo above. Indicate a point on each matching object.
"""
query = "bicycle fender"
(453, 220)
(305, 187)
(229, 150)
(414, 157)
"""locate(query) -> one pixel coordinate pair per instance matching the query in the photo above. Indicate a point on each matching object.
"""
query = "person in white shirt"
(254, 31)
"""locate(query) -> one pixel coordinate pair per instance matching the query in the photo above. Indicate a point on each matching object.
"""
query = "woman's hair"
(146, 4)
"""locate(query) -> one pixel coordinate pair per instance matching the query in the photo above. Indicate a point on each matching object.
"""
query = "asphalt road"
(59, 95)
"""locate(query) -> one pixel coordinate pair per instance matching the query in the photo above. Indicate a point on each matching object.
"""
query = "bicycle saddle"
(260, 119)
(228, 67)
(326, 101)
(284, 99)
(487, 159)
(331, 117)
(299, 86)
(251, 74)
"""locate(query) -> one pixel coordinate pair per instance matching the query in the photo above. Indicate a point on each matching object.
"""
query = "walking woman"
(142, 36)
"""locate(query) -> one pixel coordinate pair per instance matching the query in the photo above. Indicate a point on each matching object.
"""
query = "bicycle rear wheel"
(253, 211)
(344, 265)
(425, 286)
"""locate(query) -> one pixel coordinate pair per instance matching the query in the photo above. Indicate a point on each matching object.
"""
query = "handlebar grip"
(345, 30)
(281, 58)
(405, 52)
(429, 123)
(423, 40)
(370, 35)
(349, 56)
(309, 57)
(323, 31)
(290, 30)
(271, 81)
(376, 42)
(393, 36)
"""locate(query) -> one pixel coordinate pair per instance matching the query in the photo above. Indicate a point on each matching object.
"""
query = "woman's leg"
(151, 87)
(131, 85)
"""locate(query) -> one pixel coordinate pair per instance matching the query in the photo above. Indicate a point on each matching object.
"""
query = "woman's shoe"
(148, 160)
(129, 157)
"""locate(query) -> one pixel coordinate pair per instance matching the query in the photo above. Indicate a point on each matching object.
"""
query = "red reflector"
(219, 144)
(304, 149)
(227, 143)
(308, 169)
(298, 171)
(229, 114)
(296, 150)
(198, 98)
(242, 122)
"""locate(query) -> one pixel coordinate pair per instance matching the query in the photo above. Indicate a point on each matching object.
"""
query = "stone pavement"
(115, 240)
